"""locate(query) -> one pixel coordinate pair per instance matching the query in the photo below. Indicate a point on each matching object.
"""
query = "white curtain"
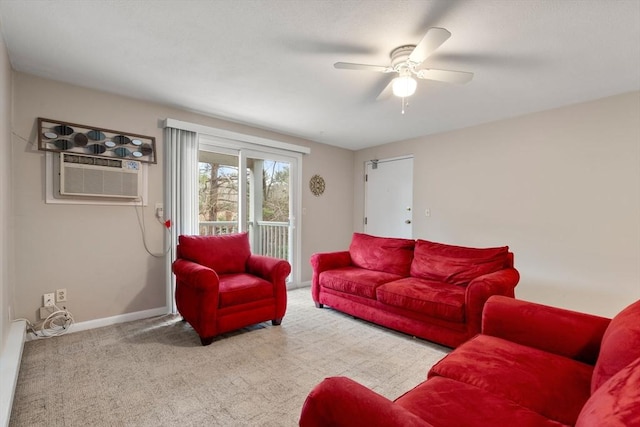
(181, 191)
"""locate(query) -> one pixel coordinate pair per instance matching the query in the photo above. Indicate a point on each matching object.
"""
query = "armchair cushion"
(561, 385)
(443, 401)
(620, 345)
(389, 255)
(457, 265)
(243, 288)
(225, 254)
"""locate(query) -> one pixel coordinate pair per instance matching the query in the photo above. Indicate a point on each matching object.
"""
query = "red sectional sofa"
(430, 290)
(532, 365)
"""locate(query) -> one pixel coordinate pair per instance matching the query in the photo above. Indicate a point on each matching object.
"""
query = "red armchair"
(532, 366)
(221, 286)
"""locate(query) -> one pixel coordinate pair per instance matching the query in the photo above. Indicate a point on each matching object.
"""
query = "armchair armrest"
(269, 268)
(194, 275)
(274, 270)
(340, 401)
(502, 282)
(196, 296)
(556, 330)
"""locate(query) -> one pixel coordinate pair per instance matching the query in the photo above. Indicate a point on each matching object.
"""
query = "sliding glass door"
(261, 200)
(269, 202)
(218, 190)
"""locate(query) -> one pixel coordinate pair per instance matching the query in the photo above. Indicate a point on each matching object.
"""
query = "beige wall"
(6, 290)
(560, 187)
(96, 252)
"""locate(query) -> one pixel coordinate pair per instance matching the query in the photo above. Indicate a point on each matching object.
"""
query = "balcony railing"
(272, 238)
(210, 228)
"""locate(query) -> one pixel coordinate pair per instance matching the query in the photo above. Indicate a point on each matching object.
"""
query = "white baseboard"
(113, 320)
(121, 318)
(9, 368)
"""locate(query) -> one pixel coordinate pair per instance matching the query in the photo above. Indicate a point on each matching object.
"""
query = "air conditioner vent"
(87, 176)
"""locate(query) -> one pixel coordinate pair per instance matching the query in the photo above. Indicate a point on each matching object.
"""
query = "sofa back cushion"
(616, 403)
(391, 255)
(620, 345)
(457, 265)
(225, 254)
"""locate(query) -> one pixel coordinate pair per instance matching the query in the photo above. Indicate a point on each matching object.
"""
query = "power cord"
(57, 323)
(166, 224)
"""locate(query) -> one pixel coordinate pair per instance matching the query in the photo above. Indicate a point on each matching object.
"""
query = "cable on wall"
(165, 223)
(57, 323)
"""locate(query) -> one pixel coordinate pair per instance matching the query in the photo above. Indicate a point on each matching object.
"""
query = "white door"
(389, 197)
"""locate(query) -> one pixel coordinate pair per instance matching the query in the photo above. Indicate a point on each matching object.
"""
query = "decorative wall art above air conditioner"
(57, 136)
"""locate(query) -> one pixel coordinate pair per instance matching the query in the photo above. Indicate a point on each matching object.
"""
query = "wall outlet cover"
(48, 300)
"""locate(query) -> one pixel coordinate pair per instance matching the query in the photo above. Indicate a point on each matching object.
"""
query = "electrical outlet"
(61, 295)
(159, 211)
(49, 300)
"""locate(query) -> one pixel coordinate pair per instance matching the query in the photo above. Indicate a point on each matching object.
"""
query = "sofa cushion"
(444, 402)
(616, 403)
(455, 264)
(355, 280)
(227, 253)
(242, 289)
(620, 345)
(386, 254)
(426, 297)
(554, 386)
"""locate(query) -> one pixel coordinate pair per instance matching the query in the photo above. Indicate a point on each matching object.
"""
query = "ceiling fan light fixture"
(404, 86)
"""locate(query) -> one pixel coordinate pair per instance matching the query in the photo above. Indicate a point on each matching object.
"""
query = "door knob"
(408, 221)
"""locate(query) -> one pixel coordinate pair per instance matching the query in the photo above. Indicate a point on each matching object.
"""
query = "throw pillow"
(457, 265)
(391, 255)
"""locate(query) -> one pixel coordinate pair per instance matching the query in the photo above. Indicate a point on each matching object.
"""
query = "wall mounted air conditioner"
(88, 176)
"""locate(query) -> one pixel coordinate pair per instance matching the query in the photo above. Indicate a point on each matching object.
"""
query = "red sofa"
(430, 290)
(533, 365)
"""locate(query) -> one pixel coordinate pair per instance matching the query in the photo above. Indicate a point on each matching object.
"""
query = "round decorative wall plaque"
(316, 185)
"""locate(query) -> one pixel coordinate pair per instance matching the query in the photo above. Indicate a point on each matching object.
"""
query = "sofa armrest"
(340, 401)
(501, 282)
(552, 329)
(195, 276)
(326, 261)
(272, 269)
(330, 260)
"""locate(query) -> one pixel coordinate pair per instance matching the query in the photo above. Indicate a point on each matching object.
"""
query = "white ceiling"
(269, 63)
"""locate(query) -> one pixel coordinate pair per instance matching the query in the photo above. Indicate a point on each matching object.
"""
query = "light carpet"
(154, 372)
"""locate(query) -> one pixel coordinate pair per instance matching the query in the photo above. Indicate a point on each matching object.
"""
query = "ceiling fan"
(407, 63)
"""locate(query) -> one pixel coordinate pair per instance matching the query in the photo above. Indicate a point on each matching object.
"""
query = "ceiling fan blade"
(363, 67)
(448, 76)
(429, 43)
